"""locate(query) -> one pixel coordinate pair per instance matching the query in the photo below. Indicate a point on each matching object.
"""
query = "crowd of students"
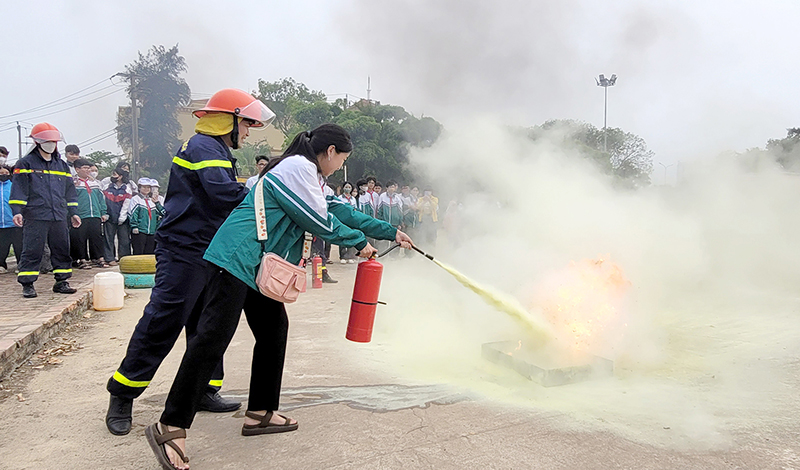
(409, 211)
(118, 217)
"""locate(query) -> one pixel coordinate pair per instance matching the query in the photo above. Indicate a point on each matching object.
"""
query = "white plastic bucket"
(108, 291)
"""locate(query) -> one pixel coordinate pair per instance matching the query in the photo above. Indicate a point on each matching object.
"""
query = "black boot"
(62, 287)
(326, 278)
(213, 402)
(118, 418)
(28, 291)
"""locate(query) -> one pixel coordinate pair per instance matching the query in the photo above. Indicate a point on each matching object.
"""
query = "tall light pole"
(605, 83)
(665, 171)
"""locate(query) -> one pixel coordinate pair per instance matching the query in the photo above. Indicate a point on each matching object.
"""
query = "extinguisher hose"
(388, 251)
(397, 245)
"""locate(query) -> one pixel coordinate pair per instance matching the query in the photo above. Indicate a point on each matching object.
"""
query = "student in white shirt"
(347, 255)
(261, 163)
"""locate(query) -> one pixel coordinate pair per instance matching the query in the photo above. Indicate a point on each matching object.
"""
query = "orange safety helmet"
(45, 132)
(239, 103)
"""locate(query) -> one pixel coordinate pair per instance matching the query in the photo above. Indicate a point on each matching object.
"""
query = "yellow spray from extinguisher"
(538, 328)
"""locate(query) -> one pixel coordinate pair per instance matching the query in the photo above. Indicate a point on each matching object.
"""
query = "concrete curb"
(16, 348)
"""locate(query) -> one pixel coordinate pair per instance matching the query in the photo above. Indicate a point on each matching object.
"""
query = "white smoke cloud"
(713, 264)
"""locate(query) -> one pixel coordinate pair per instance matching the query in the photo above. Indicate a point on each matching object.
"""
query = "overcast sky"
(695, 77)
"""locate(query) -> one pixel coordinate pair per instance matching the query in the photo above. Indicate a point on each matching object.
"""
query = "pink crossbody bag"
(277, 278)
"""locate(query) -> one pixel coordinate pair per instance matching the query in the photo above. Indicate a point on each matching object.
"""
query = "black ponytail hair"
(312, 143)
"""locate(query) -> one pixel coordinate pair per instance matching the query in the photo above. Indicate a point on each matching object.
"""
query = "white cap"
(154, 182)
(144, 182)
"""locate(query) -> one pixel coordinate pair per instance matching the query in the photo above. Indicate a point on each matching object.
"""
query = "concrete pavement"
(350, 415)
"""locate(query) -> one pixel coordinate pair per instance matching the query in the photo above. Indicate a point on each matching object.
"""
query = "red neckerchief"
(86, 183)
(149, 213)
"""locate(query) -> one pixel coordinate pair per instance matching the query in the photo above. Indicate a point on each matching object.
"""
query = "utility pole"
(605, 83)
(19, 140)
(369, 89)
(134, 125)
(134, 131)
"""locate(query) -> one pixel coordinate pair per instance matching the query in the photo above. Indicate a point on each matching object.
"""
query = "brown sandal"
(157, 441)
(265, 427)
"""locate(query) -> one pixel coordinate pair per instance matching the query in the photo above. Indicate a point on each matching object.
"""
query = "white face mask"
(93, 174)
(2, 160)
(48, 147)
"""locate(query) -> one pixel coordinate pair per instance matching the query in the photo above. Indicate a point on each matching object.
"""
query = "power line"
(99, 136)
(70, 107)
(60, 100)
(97, 140)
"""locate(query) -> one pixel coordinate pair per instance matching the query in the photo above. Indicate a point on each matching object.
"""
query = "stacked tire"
(139, 271)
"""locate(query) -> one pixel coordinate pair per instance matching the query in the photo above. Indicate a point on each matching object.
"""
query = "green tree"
(246, 157)
(281, 96)
(156, 80)
(105, 161)
(628, 159)
(786, 151)
(382, 134)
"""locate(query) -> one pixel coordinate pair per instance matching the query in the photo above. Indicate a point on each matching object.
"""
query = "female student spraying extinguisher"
(293, 202)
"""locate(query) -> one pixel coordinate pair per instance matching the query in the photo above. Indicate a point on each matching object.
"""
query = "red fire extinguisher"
(365, 301)
(316, 272)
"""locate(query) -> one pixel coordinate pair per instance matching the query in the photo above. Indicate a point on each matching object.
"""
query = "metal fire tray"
(548, 370)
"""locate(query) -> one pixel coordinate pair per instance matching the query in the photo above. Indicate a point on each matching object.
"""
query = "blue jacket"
(43, 190)
(202, 192)
(118, 201)
(6, 214)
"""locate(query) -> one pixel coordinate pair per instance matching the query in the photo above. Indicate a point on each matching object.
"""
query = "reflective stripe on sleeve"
(28, 273)
(74, 204)
(17, 201)
(130, 383)
(200, 165)
(46, 172)
(53, 172)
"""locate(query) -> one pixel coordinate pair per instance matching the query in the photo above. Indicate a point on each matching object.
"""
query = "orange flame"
(584, 302)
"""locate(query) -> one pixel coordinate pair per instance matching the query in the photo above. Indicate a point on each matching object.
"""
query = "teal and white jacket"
(390, 209)
(145, 214)
(295, 203)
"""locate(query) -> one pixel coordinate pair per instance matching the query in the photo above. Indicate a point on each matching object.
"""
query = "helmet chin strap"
(235, 132)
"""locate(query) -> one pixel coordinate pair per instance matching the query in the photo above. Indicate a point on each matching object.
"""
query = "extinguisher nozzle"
(422, 252)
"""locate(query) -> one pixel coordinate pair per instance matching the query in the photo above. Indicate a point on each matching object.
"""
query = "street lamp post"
(665, 171)
(605, 83)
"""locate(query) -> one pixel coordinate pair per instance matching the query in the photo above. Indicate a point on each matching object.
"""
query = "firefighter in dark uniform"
(202, 191)
(43, 199)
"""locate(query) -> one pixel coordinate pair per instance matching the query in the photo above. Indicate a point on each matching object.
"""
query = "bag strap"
(261, 216)
(261, 219)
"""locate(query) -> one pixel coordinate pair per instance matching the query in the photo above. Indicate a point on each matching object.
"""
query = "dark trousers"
(318, 249)
(347, 252)
(34, 235)
(226, 297)
(11, 236)
(122, 233)
(175, 302)
(143, 244)
(91, 231)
